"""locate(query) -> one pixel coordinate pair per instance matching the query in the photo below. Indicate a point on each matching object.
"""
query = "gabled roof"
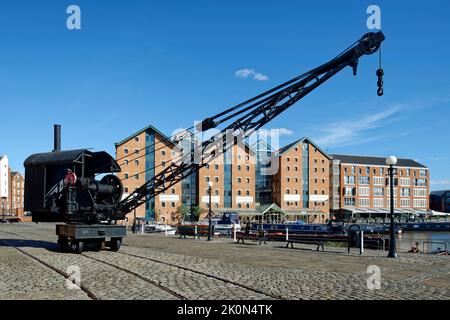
(149, 127)
(15, 173)
(379, 161)
(271, 207)
(261, 145)
(287, 148)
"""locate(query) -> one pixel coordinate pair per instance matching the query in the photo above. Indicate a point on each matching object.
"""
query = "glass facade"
(150, 173)
(305, 169)
(227, 177)
(264, 182)
(189, 184)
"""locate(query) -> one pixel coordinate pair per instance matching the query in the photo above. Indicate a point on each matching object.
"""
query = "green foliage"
(195, 213)
(184, 212)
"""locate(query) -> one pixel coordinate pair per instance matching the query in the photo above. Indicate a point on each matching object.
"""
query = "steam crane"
(61, 186)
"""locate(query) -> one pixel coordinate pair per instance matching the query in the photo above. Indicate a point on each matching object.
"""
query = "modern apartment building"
(301, 185)
(360, 185)
(4, 184)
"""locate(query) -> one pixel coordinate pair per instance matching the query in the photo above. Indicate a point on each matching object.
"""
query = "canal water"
(428, 241)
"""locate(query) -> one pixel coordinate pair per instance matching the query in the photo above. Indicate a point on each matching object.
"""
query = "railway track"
(205, 274)
(82, 287)
(170, 291)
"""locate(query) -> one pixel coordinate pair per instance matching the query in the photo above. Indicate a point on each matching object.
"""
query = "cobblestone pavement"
(159, 267)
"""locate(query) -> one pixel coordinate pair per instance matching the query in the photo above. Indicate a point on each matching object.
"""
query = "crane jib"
(252, 114)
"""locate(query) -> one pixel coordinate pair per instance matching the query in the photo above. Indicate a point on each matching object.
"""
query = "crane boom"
(247, 117)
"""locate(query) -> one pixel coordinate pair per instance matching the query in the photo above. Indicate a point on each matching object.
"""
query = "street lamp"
(391, 162)
(210, 184)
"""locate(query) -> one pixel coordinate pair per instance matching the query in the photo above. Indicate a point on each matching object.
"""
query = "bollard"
(287, 234)
(361, 250)
(142, 228)
(195, 232)
(234, 233)
(166, 229)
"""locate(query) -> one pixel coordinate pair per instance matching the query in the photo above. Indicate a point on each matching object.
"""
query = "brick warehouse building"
(360, 185)
(148, 151)
(301, 185)
(11, 191)
(308, 183)
(16, 194)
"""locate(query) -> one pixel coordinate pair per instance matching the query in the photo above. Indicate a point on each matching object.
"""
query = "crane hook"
(380, 74)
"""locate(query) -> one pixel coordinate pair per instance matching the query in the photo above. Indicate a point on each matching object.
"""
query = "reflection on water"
(406, 240)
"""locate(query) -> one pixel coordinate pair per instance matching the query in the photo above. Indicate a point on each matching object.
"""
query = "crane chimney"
(57, 138)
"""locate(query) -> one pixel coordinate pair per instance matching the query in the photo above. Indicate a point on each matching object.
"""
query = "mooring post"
(361, 250)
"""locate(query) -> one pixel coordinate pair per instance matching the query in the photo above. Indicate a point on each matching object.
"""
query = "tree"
(183, 211)
(196, 212)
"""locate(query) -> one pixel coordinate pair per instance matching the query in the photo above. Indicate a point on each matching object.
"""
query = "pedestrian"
(247, 227)
(415, 248)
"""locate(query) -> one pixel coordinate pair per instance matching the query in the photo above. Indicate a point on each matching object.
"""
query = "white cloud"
(354, 131)
(245, 73)
(350, 131)
(260, 77)
(443, 182)
(275, 132)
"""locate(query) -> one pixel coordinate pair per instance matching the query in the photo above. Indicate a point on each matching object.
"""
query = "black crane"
(61, 186)
(248, 116)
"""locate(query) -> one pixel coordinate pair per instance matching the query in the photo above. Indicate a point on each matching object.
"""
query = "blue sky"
(135, 63)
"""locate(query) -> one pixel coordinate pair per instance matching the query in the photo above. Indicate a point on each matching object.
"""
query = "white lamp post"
(391, 162)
